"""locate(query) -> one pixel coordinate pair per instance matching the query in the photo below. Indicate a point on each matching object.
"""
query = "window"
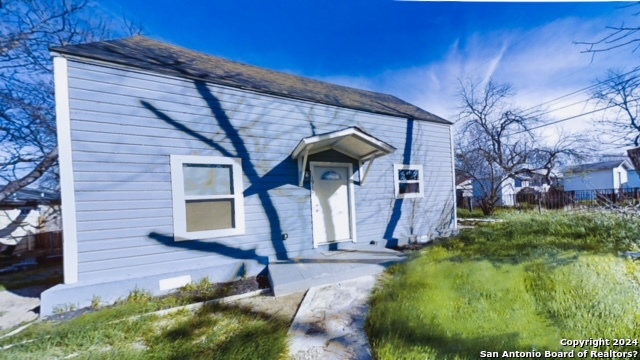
(207, 197)
(408, 181)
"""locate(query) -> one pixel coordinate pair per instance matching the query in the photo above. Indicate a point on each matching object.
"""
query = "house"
(506, 192)
(537, 180)
(633, 180)
(605, 175)
(30, 223)
(470, 191)
(464, 190)
(176, 165)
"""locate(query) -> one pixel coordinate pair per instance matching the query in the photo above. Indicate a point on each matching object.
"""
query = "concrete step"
(329, 267)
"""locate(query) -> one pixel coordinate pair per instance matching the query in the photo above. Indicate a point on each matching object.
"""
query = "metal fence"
(562, 200)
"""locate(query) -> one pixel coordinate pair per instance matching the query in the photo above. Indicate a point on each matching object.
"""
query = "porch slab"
(330, 266)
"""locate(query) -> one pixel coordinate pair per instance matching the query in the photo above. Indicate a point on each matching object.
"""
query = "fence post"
(539, 203)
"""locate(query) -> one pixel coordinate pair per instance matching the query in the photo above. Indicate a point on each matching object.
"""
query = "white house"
(536, 179)
(27, 215)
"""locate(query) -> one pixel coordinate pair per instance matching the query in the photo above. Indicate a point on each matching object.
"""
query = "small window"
(207, 197)
(408, 181)
(331, 175)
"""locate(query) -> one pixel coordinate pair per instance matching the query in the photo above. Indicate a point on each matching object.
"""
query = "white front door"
(332, 202)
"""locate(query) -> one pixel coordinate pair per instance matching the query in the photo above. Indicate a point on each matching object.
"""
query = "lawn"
(213, 332)
(522, 285)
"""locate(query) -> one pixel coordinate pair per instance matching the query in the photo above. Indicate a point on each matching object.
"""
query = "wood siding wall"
(125, 124)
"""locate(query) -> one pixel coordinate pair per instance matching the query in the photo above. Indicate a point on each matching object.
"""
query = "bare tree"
(620, 36)
(494, 143)
(619, 94)
(28, 28)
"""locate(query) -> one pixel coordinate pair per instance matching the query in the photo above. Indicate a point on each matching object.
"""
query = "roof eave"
(377, 146)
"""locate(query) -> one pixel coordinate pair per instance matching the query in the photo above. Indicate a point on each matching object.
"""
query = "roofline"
(61, 52)
(380, 145)
(570, 170)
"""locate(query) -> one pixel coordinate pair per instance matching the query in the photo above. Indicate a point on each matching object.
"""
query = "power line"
(560, 108)
(579, 91)
(569, 118)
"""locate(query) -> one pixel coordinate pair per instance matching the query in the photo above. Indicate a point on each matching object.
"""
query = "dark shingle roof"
(151, 55)
(603, 165)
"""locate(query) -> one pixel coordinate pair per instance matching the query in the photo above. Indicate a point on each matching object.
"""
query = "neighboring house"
(536, 180)
(509, 188)
(521, 181)
(605, 175)
(506, 193)
(633, 180)
(30, 223)
(176, 165)
(464, 190)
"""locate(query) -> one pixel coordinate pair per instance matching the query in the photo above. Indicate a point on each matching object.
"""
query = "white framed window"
(208, 197)
(408, 181)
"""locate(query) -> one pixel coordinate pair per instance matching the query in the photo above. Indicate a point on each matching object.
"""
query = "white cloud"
(542, 64)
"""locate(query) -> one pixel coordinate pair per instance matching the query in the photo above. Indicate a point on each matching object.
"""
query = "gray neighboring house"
(176, 165)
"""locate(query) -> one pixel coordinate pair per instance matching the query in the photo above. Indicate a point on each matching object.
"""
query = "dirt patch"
(283, 307)
(411, 248)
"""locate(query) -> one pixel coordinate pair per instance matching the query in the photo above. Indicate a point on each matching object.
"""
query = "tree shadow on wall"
(259, 185)
(396, 212)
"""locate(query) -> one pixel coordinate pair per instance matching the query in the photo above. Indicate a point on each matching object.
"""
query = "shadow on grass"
(223, 331)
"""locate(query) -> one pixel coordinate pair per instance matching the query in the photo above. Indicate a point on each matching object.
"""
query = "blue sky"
(414, 50)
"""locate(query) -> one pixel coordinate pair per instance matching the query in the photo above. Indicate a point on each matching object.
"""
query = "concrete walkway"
(18, 306)
(330, 321)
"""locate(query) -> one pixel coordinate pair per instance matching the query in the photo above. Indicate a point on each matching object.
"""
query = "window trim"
(180, 232)
(397, 181)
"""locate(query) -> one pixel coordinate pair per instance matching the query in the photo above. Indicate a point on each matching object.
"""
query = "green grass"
(214, 332)
(466, 214)
(515, 286)
(477, 212)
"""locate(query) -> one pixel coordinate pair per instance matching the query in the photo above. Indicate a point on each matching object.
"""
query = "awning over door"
(350, 141)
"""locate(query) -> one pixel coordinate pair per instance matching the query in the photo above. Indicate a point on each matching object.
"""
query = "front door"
(332, 202)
